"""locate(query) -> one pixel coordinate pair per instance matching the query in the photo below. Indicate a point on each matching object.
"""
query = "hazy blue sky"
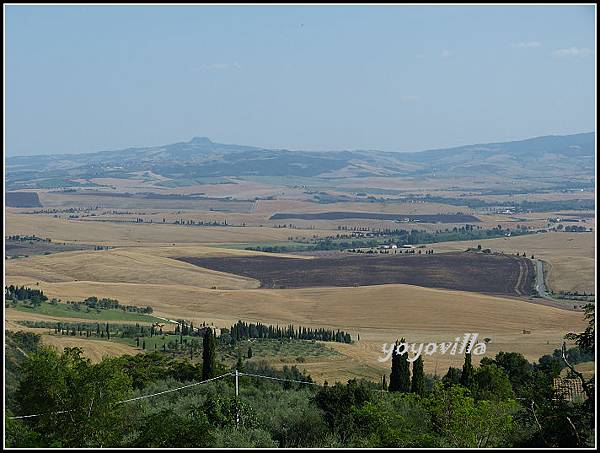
(82, 79)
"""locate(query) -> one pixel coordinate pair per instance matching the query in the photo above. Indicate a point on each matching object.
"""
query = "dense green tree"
(19, 434)
(452, 377)
(337, 402)
(400, 375)
(404, 372)
(586, 339)
(491, 383)
(548, 420)
(466, 377)
(516, 366)
(462, 422)
(418, 377)
(169, 429)
(394, 385)
(397, 421)
(53, 383)
(239, 364)
(208, 355)
(551, 366)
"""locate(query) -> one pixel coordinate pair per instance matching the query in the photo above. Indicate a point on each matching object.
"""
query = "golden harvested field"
(120, 266)
(100, 233)
(95, 350)
(378, 313)
(588, 369)
(234, 187)
(140, 265)
(571, 256)
(268, 207)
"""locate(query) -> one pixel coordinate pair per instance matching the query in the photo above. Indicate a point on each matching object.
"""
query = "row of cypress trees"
(400, 377)
(242, 330)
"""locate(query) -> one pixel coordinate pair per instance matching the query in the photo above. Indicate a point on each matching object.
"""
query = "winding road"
(540, 286)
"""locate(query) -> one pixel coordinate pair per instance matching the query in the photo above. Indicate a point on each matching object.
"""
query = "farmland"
(476, 272)
(570, 256)
(426, 218)
(184, 255)
(22, 199)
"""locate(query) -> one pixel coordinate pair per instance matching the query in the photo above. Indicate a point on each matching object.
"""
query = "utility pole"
(237, 402)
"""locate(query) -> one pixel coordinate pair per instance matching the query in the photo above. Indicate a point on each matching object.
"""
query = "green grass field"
(292, 245)
(61, 310)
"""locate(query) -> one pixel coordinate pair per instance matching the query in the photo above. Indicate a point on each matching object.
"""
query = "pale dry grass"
(378, 314)
(142, 265)
(120, 266)
(268, 207)
(95, 350)
(108, 233)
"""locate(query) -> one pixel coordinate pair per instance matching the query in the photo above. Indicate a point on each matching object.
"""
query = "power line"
(177, 389)
(131, 399)
(39, 415)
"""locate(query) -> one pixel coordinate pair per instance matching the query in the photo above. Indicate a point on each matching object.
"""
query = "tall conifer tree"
(466, 377)
(404, 372)
(208, 355)
(418, 377)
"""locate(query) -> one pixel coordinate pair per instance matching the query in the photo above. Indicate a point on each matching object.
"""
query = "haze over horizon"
(388, 78)
(196, 137)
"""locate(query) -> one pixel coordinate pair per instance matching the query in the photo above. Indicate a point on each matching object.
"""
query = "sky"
(392, 78)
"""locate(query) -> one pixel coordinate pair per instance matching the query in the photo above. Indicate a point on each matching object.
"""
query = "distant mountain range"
(570, 156)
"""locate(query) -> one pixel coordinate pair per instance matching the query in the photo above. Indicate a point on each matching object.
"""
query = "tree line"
(22, 293)
(106, 303)
(242, 330)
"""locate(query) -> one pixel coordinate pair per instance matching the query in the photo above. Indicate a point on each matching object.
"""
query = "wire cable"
(137, 398)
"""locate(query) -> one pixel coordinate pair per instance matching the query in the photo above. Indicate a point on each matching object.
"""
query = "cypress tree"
(395, 374)
(466, 377)
(240, 363)
(404, 372)
(418, 377)
(249, 352)
(208, 355)
(452, 376)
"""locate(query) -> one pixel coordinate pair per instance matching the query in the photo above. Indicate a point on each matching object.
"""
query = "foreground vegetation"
(505, 402)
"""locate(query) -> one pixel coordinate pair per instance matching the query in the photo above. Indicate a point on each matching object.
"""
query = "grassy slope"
(64, 311)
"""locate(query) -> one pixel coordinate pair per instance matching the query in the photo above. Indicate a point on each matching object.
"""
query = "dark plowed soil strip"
(23, 200)
(494, 274)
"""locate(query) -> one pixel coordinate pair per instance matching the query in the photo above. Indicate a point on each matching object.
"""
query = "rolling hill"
(568, 156)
